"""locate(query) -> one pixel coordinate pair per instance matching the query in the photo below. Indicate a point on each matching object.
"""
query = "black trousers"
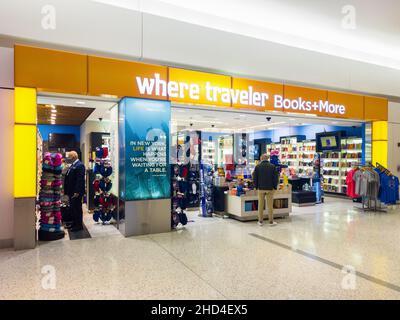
(76, 211)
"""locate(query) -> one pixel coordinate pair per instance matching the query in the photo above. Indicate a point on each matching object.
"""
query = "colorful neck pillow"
(105, 185)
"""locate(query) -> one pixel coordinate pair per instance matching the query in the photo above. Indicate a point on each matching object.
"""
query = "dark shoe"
(68, 226)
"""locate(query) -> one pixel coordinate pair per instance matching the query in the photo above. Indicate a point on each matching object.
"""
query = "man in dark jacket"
(265, 178)
(74, 188)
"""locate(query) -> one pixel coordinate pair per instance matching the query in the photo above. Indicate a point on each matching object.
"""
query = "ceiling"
(73, 110)
(189, 117)
(62, 115)
(366, 31)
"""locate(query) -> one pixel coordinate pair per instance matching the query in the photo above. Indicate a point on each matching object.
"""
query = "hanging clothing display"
(351, 184)
(389, 191)
(180, 194)
(367, 183)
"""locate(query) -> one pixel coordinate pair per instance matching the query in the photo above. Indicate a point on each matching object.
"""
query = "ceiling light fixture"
(81, 103)
(54, 111)
(53, 106)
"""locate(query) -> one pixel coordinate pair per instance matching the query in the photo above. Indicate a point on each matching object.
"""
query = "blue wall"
(309, 131)
(46, 129)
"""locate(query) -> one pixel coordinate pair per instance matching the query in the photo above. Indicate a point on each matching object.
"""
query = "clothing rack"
(383, 169)
(371, 203)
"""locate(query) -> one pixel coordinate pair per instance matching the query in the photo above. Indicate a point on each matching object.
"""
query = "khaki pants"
(269, 194)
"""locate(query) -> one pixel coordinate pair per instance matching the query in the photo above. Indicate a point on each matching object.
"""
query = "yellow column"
(380, 143)
(25, 143)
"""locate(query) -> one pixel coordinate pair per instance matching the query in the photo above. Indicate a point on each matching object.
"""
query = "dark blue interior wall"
(309, 131)
(46, 129)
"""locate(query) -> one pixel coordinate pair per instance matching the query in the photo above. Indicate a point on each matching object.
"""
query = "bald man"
(74, 188)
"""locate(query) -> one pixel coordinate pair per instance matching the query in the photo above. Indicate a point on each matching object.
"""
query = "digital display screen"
(254, 151)
(329, 142)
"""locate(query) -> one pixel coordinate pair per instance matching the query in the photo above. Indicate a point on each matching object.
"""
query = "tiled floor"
(218, 258)
(97, 229)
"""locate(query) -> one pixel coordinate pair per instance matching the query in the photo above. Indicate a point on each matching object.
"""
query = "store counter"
(245, 207)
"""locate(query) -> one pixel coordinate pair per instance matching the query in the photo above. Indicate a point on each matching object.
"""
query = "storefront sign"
(207, 92)
(145, 154)
(300, 104)
(84, 74)
(212, 94)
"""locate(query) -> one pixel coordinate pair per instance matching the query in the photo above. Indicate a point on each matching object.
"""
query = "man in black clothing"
(74, 188)
(265, 178)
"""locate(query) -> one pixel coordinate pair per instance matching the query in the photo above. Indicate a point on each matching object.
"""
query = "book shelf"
(299, 157)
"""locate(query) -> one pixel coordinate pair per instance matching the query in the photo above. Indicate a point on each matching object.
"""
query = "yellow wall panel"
(24, 161)
(379, 130)
(380, 153)
(50, 70)
(25, 106)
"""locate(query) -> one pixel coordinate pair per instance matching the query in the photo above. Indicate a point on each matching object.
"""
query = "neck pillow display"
(96, 185)
(105, 185)
(105, 152)
(105, 201)
(99, 153)
(56, 160)
(106, 171)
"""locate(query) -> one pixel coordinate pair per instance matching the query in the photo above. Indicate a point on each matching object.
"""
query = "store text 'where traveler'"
(214, 94)
(194, 91)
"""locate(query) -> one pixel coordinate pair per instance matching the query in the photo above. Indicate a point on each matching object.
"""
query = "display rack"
(297, 155)
(224, 150)
(336, 165)
(208, 152)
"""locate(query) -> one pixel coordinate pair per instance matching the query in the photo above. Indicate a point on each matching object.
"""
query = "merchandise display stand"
(298, 155)
(50, 198)
(337, 164)
(245, 207)
(206, 191)
(105, 202)
(179, 201)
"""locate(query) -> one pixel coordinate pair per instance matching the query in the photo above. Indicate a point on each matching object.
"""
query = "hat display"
(50, 198)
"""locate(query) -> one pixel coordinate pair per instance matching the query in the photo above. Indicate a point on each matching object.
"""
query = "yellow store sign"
(55, 71)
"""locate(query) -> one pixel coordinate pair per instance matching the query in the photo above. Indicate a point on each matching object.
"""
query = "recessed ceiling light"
(334, 122)
(81, 103)
(109, 96)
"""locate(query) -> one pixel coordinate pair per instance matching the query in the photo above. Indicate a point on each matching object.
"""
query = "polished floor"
(301, 258)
